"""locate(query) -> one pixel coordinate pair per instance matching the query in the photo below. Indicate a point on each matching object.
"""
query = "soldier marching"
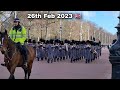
(72, 51)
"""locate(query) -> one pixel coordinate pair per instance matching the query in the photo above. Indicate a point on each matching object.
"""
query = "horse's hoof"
(12, 77)
(2, 64)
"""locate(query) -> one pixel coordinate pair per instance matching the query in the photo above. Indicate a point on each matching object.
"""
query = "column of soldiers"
(56, 50)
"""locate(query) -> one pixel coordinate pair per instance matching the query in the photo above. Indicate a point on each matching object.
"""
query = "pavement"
(98, 69)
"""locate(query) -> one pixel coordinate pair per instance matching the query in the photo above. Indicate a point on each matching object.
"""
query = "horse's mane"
(10, 42)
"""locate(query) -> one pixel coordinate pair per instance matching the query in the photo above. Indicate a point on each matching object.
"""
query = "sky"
(105, 19)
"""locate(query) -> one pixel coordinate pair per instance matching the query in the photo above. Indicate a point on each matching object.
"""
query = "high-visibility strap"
(15, 36)
(24, 35)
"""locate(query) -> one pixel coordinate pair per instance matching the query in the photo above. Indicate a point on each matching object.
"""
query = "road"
(98, 69)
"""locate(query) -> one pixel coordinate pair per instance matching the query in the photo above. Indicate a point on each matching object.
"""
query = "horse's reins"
(8, 56)
(6, 53)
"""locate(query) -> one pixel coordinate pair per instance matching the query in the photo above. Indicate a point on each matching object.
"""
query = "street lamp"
(29, 29)
(60, 29)
(114, 57)
(81, 37)
(41, 33)
(88, 32)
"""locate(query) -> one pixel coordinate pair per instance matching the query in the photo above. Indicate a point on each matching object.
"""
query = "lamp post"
(29, 29)
(81, 31)
(41, 33)
(15, 14)
(114, 57)
(60, 30)
(88, 32)
(47, 27)
(94, 32)
(70, 36)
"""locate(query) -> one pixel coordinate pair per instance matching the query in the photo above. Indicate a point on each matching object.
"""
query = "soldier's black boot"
(41, 59)
(37, 58)
(86, 61)
(60, 58)
(71, 60)
(48, 60)
(55, 59)
(51, 60)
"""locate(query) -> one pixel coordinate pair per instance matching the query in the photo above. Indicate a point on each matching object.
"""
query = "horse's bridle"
(6, 54)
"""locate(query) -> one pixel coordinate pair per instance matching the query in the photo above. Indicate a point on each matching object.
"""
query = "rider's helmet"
(17, 20)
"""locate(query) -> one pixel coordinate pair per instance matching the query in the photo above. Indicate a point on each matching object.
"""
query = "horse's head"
(4, 41)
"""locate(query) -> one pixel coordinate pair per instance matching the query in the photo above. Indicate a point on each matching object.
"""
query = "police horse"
(13, 57)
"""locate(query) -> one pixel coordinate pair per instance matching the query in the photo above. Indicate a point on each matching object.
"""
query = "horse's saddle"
(20, 48)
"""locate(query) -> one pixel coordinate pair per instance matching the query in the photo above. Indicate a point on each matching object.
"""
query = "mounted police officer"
(18, 34)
